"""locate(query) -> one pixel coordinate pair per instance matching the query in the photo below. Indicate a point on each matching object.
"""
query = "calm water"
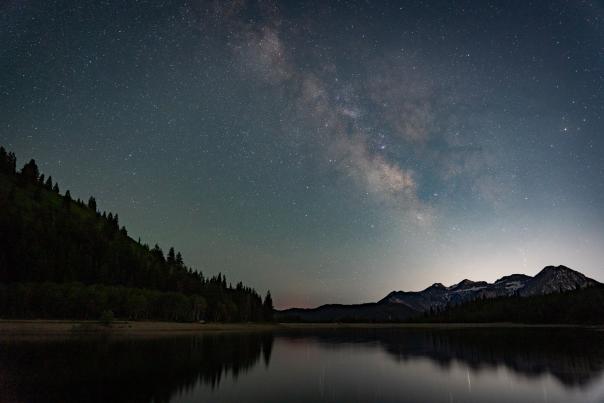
(365, 365)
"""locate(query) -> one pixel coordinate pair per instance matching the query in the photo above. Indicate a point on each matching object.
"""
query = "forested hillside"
(62, 258)
(580, 306)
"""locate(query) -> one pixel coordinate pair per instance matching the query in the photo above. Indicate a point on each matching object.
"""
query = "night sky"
(327, 151)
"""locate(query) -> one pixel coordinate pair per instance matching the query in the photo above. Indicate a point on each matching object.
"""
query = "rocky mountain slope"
(550, 279)
(401, 305)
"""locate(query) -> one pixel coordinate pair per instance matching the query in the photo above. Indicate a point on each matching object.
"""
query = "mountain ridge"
(402, 305)
(549, 279)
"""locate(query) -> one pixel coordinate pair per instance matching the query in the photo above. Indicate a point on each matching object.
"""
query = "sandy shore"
(50, 328)
(421, 325)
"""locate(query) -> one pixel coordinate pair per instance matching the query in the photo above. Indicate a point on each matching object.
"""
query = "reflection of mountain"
(574, 356)
(142, 370)
(133, 370)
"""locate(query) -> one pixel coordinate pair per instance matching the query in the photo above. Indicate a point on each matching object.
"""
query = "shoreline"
(59, 328)
(32, 328)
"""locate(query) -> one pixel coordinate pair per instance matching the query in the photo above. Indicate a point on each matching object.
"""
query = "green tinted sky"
(329, 151)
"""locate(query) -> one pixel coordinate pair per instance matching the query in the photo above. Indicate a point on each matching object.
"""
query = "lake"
(311, 365)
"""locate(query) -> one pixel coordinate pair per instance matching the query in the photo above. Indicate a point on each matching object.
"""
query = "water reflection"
(572, 355)
(385, 364)
(129, 370)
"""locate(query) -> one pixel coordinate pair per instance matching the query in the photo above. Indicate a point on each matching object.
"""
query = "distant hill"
(370, 312)
(62, 258)
(517, 290)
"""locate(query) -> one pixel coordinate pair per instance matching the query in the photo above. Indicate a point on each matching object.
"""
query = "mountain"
(579, 306)
(402, 305)
(556, 279)
(550, 279)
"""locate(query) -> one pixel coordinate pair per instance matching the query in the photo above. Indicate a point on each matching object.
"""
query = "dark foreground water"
(342, 365)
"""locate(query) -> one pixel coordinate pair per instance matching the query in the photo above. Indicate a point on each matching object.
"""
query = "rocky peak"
(436, 287)
(513, 277)
(557, 279)
(560, 273)
(550, 279)
(464, 283)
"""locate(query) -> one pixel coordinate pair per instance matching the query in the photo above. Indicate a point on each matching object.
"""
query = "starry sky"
(330, 151)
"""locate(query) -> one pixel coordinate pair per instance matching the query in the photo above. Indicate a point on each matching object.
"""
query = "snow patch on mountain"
(550, 279)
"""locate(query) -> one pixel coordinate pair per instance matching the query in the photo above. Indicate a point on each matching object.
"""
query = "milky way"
(329, 151)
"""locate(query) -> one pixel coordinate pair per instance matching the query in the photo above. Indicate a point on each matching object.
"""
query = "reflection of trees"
(572, 355)
(141, 370)
(133, 370)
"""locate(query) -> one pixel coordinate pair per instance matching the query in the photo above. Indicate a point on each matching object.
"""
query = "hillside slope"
(54, 248)
(580, 306)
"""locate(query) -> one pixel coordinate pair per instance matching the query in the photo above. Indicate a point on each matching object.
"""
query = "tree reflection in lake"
(129, 370)
(363, 364)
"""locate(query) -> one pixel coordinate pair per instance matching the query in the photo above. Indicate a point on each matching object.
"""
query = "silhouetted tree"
(30, 172)
(171, 258)
(8, 162)
(92, 203)
(268, 307)
(179, 261)
(67, 199)
(3, 160)
(157, 252)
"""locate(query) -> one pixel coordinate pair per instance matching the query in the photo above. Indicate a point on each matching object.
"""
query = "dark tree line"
(51, 245)
(581, 306)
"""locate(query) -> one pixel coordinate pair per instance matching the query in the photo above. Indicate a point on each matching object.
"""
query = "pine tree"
(171, 259)
(48, 184)
(67, 199)
(157, 252)
(30, 172)
(179, 260)
(267, 307)
(3, 160)
(12, 163)
(92, 203)
(8, 161)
